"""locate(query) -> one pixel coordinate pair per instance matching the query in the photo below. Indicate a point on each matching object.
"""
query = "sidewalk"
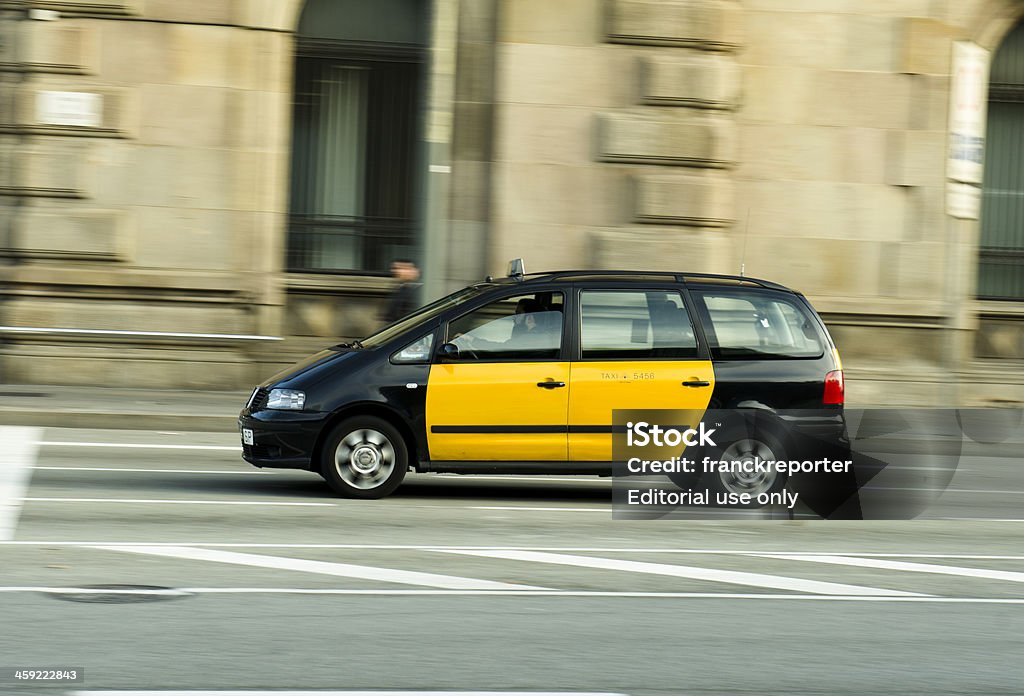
(141, 409)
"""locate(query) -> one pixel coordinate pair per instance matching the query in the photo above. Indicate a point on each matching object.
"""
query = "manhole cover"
(117, 594)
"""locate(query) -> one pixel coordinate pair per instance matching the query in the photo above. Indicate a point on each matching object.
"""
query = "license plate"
(246, 436)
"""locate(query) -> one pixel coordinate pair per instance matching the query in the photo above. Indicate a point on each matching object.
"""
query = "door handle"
(697, 383)
(550, 385)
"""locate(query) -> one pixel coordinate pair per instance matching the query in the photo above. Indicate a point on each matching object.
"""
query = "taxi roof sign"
(516, 268)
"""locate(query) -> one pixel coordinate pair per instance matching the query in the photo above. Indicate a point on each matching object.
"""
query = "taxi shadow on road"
(305, 486)
(437, 489)
(429, 487)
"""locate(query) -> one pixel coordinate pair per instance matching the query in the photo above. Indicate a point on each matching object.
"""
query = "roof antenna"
(743, 255)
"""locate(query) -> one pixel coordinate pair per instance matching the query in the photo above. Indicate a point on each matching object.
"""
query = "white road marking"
(166, 592)
(580, 594)
(975, 519)
(470, 547)
(141, 445)
(607, 510)
(150, 501)
(943, 490)
(346, 570)
(1005, 575)
(733, 577)
(155, 471)
(698, 514)
(20, 446)
(270, 692)
(892, 467)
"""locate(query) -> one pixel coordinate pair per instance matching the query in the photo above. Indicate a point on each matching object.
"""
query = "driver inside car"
(532, 328)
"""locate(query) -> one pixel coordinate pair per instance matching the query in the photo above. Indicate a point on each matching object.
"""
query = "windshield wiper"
(357, 344)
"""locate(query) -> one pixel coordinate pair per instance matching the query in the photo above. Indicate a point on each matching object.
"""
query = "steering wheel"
(467, 350)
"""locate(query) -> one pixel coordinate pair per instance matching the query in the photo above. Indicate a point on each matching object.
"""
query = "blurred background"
(183, 182)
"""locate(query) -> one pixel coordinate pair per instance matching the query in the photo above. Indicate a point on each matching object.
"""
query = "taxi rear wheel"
(748, 477)
(364, 457)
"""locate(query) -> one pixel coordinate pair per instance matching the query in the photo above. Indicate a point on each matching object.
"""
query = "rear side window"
(757, 324)
(635, 325)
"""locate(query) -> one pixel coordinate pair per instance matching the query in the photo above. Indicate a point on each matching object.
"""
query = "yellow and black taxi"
(522, 374)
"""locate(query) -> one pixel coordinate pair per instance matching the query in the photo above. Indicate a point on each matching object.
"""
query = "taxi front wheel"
(364, 457)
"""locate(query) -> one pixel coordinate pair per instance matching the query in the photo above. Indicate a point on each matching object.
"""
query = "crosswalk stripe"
(347, 570)
(20, 448)
(691, 572)
(1006, 575)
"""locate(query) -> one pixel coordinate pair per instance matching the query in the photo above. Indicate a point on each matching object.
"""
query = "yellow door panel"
(496, 412)
(598, 388)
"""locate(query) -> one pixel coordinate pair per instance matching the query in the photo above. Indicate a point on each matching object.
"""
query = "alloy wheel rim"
(364, 458)
(753, 483)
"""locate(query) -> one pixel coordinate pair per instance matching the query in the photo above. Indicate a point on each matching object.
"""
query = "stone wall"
(154, 202)
(804, 141)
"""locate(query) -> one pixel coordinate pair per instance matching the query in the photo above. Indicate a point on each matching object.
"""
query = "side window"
(416, 352)
(635, 325)
(523, 327)
(760, 325)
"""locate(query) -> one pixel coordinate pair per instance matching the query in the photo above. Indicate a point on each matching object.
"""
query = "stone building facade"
(192, 192)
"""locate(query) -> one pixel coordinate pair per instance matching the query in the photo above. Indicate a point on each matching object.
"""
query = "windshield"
(420, 316)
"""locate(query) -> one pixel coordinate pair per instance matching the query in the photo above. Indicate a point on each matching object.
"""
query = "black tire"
(364, 457)
(744, 446)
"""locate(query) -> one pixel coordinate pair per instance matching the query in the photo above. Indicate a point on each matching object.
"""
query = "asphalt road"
(161, 561)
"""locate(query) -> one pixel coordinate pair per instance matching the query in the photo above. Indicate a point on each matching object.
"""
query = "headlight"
(286, 399)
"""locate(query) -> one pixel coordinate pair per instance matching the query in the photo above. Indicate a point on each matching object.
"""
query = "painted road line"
(1004, 575)
(472, 547)
(155, 592)
(733, 577)
(698, 514)
(564, 594)
(701, 514)
(346, 570)
(271, 692)
(154, 471)
(140, 445)
(151, 501)
(974, 519)
(971, 491)
(20, 447)
(606, 510)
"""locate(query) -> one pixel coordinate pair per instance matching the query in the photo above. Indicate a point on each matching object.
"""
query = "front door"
(505, 395)
(638, 351)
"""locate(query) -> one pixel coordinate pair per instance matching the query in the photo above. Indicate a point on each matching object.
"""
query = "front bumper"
(281, 439)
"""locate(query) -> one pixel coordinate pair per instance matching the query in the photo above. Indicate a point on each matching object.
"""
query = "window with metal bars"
(1001, 253)
(356, 114)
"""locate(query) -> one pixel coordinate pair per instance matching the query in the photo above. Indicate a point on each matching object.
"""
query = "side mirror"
(449, 351)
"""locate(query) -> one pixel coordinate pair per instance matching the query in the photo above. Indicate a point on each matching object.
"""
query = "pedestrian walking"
(405, 297)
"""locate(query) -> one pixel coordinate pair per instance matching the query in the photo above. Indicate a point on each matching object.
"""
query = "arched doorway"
(359, 85)
(1001, 253)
